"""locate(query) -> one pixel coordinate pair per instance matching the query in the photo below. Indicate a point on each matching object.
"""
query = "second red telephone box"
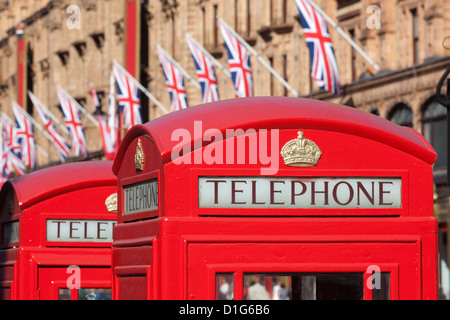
(56, 233)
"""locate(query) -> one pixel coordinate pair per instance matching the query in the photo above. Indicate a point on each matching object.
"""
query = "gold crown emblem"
(111, 203)
(139, 157)
(301, 152)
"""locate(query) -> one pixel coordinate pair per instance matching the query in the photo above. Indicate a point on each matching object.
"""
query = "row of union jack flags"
(238, 63)
(18, 147)
(324, 68)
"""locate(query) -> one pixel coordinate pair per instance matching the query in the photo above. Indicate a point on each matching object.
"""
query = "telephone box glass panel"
(312, 286)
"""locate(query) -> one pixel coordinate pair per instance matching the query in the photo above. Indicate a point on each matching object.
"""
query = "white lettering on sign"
(300, 192)
(80, 230)
(140, 197)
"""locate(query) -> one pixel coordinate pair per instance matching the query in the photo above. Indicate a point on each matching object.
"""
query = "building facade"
(73, 43)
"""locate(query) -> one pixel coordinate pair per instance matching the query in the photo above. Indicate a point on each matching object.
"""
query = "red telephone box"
(274, 198)
(56, 233)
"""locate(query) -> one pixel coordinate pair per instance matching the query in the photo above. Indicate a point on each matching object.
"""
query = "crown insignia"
(139, 157)
(111, 203)
(300, 152)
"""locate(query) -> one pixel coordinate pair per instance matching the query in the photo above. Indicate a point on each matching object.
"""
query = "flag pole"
(187, 75)
(213, 60)
(344, 35)
(51, 115)
(44, 153)
(260, 59)
(80, 107)
(112, 102)
(142, 88)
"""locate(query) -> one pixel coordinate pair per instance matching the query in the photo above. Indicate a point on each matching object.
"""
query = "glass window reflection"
(224, 286)
(310, 286)
(94, 294)
(64, 294)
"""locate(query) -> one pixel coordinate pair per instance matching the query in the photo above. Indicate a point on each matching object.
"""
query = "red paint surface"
(21, 70)
(131, 33)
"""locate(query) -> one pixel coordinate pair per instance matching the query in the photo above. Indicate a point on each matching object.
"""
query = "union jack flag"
(109, 127)
(5, 170)
(58, 140)
(72, 119)
(238, 63)
(5, 150)
(174, 83)
(205, 72)
(95, 99)
(324, 68)
(108, 139)
(10, 158)
(127, 97)
(25, 137)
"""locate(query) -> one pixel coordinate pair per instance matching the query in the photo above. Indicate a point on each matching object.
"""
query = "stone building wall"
(60, 55)
(75, 58)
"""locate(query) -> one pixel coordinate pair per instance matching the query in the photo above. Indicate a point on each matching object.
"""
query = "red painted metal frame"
(154, 251)
(71, 191)
(51, 279)
(352, 235)
(239, 269)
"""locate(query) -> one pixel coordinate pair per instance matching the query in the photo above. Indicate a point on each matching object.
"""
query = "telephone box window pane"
(225, 286)
(282, 288)
(257, 287)
(267, 287)
(308, 288)
(10, 231)
(64, 294)
(339, 286)
(304, 286)
(94, 294)
(382, 292)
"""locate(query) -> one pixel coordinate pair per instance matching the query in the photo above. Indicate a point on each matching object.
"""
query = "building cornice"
(29, 20)
(387, 77)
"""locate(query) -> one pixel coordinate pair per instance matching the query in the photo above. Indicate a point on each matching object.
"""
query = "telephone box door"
(74, 283)
(305, 271)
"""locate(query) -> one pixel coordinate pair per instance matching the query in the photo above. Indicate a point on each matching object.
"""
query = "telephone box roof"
(276, 113)
(49, 182)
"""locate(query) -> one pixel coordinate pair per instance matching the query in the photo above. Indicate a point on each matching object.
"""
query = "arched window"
(29, 79)
(374, 111)
(402, 115)
(434, 128)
